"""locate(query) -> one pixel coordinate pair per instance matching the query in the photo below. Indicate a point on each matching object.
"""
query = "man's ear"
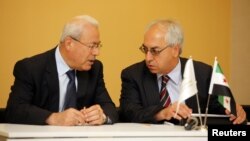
(176, 50)
(68, 43)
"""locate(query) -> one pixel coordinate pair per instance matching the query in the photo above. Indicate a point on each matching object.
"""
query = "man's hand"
(69, 117)
(94, 115)
(170, 112)
(241, 115)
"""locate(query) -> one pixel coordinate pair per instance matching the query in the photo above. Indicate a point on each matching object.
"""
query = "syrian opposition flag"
(219, 86)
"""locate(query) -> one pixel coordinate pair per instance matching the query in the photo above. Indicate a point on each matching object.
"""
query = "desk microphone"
(192, 123)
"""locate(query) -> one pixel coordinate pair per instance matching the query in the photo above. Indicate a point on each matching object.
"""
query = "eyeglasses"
(154, 51)
(90, 46)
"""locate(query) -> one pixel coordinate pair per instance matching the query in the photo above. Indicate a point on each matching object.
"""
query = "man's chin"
(153, 70)
(86, 68)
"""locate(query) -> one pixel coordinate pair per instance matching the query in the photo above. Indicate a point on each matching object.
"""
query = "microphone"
(192, 123)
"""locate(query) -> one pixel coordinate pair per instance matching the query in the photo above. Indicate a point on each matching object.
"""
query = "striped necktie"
(164, 95)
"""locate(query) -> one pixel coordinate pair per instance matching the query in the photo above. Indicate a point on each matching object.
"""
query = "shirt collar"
(175, 74)
(62, 67)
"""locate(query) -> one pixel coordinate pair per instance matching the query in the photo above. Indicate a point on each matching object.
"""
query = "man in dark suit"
(39, 92)
(141, 95)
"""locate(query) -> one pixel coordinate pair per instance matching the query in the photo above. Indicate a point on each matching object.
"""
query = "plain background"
(211, 27)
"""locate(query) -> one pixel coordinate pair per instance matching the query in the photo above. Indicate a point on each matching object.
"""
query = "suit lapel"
(51, 77)
(151, 87)
(82, 78)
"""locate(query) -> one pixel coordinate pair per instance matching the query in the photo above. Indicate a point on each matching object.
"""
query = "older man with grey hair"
(63, 86)
(151, 88)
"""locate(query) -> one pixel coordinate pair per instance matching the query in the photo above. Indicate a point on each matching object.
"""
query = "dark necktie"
(164, 96)
(70, 98)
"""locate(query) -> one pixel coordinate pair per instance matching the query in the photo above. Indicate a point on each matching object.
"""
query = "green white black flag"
(219, 86)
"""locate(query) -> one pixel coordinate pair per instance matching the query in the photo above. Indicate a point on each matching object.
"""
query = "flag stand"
(199, 109)
(205, 119)
(202, 128)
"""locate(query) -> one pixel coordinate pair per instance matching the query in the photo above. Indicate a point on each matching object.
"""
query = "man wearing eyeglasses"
(150, 89)
(63, 86)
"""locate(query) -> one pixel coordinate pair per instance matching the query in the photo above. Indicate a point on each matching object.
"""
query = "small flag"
(219, 86)
(188, 85)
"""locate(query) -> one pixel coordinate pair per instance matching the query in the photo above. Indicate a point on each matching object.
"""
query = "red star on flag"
(224, 80)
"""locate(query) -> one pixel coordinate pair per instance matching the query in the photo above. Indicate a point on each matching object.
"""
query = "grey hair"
(174, 34)
(75, 27)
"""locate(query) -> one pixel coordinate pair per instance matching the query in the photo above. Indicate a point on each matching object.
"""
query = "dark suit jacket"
(35, 93)
(140, 99)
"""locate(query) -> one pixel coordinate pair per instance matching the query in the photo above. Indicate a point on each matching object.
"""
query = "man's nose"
(96, 51)
(148, 56)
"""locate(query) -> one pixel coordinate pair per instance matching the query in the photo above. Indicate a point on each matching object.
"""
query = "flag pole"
(205, 119)
(208, 99)
(198, 104)
(199, 108)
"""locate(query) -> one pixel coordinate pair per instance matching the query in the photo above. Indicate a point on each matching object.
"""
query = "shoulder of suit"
(195, 62)
(41, 56)
(38, 60)
(201, 64)
(136, 70)
(136, 66)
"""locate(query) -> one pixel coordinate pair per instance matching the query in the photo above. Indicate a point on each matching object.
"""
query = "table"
(116, 132)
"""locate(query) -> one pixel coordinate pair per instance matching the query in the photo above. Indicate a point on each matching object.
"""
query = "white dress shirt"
(174, 83)
(62, 68)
